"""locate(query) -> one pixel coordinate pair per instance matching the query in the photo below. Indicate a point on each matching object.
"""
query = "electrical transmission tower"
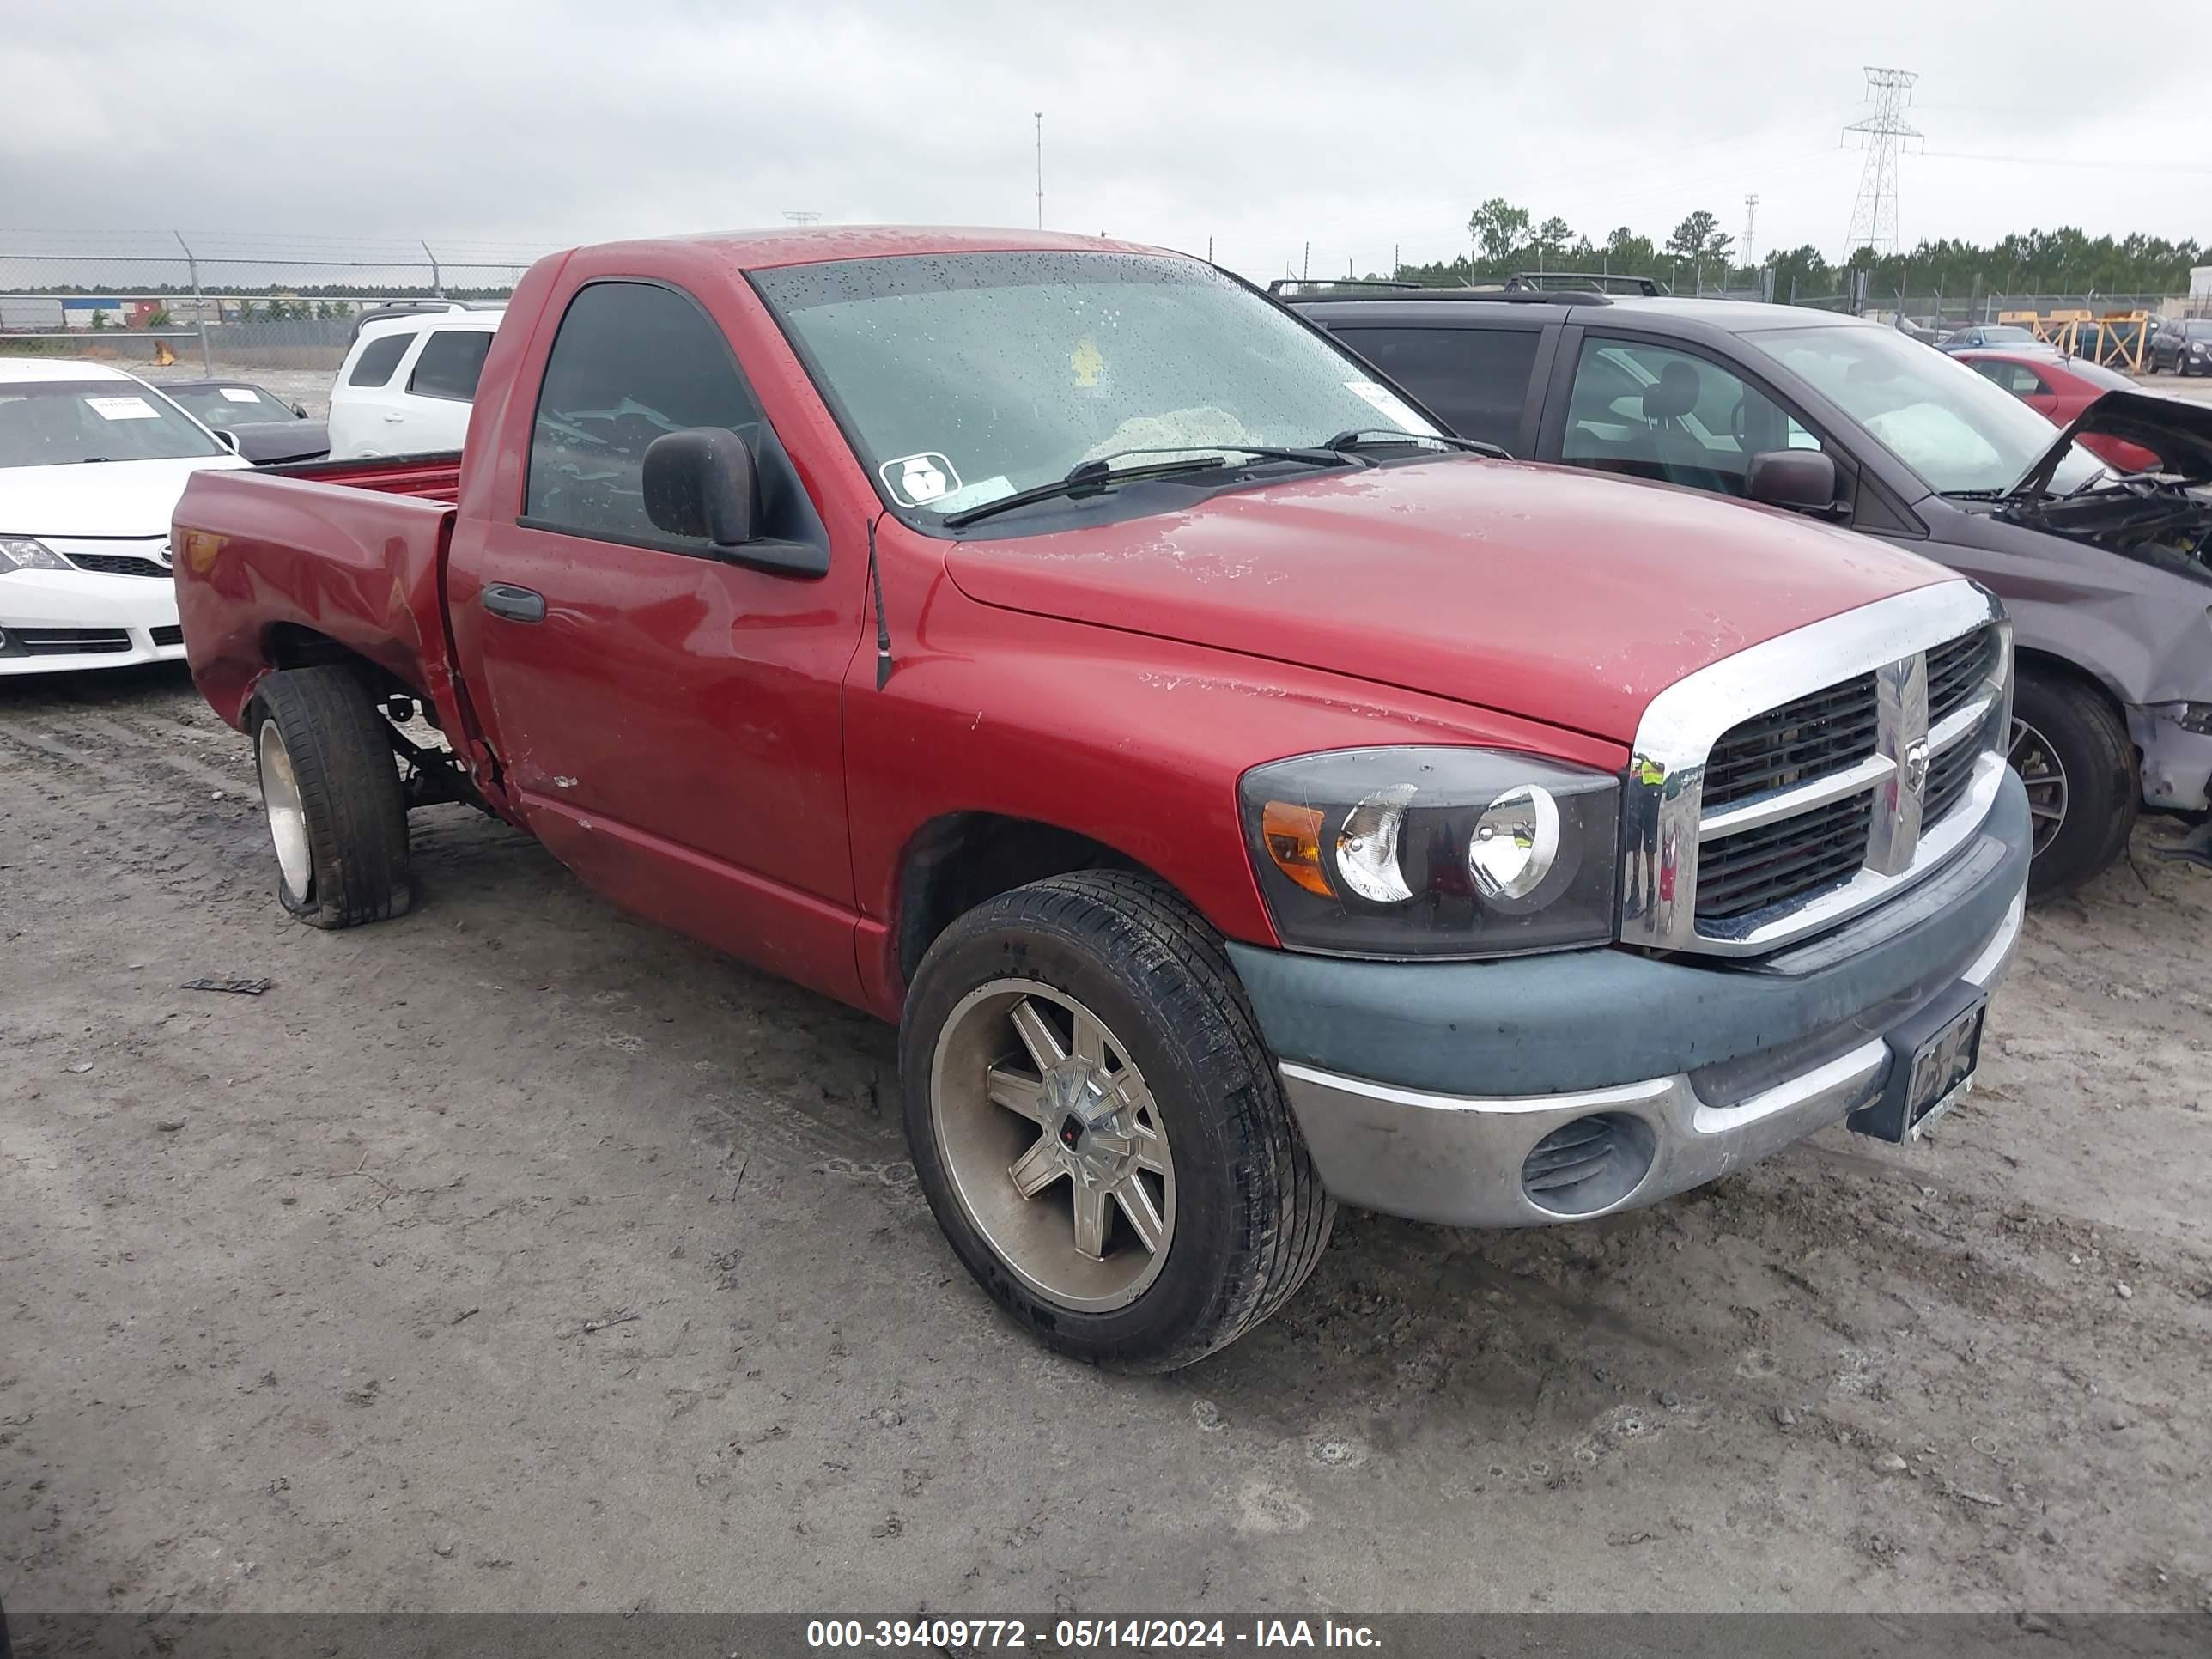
(800, 216)
(1883, 134)
(1751, 230)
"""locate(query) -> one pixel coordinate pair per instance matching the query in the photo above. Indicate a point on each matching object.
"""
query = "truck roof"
(17, 370)
(763, 250)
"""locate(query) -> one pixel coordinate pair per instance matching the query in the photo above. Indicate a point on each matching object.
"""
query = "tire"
(329, 785)
(2065, 725)
(1246, 1218)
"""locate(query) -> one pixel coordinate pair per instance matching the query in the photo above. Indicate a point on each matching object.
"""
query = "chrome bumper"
(1459, 1159)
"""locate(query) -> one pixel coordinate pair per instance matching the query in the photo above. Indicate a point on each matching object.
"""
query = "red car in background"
(2059, 388)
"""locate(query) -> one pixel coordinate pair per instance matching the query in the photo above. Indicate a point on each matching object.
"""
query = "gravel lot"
(519, 1256)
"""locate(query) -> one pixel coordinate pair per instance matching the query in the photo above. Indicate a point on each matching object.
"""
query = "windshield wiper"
(1360, 437)
(1092, 476)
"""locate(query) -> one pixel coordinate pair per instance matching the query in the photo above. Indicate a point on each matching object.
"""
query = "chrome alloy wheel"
(2037, 765)
(288, 815)
(1053, 1144)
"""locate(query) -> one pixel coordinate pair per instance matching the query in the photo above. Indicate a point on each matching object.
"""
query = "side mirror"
(299, 410)
(1801, 479)
(227, 438)
(700, 482)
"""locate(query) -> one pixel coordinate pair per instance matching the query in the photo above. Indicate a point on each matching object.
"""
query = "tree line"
(1504, 239)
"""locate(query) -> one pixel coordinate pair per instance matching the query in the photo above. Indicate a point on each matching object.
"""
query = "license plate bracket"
(1932, 1060)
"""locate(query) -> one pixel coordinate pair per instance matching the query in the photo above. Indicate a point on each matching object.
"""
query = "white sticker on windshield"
(238, 394)
(974, 494)
(123, 409)
(1389, 404)
(918, 480)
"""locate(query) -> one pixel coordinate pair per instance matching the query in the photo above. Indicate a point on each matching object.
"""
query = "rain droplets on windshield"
(963, 379)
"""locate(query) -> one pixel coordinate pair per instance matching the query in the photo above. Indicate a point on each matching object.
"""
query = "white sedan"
(92, 461)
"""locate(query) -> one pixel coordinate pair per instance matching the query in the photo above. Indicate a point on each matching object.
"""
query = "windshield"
(59, 423)
(231, 405)
(961, 379)
(1960, 433)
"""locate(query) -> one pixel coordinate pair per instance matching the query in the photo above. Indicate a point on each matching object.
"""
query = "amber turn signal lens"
(1293, 835)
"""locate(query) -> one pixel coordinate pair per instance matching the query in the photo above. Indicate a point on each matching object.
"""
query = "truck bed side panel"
(257, 553)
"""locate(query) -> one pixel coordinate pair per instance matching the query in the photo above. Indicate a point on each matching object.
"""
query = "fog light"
(1515, 843)
(1590, 1164)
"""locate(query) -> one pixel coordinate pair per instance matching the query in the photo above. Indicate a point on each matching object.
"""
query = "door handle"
(520, 604)
(396, 415)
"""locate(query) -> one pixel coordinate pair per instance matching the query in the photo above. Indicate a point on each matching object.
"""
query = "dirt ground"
(516, 1254)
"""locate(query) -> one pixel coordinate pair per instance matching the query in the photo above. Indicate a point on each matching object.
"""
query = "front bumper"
(2177, 762)
(59, 621)
(1699, 1069)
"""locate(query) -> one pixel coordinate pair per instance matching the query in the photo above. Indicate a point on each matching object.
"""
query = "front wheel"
(1100, 1132)
(329, 785)
(2073, 754)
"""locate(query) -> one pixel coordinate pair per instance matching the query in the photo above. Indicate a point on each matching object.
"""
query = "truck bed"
(311, 562)
(434, 478)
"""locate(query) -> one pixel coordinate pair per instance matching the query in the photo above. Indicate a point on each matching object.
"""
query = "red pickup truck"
(1244, 799)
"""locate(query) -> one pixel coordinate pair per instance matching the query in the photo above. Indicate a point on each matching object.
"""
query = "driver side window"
(1653, 411)
(632, 361)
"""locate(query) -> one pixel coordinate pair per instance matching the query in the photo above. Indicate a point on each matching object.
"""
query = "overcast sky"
(1261, 126)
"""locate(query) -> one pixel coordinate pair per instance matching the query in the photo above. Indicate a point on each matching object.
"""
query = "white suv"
(406, 386)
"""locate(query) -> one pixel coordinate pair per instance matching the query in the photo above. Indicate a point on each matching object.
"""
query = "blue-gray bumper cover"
(1421, 1087)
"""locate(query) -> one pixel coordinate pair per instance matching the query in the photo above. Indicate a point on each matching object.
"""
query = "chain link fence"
(236, 303)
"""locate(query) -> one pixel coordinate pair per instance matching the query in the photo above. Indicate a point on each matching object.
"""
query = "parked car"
(2106, 581)
(92, 461)
(1986, 334)
(2060, 388)
(1243, 802)
(2182, 346)
(407, 384)
(267, 429)
(414, 308)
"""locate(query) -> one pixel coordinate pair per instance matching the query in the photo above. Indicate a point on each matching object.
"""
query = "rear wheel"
(2074, 757)
(1097, 1128)
(330, 786)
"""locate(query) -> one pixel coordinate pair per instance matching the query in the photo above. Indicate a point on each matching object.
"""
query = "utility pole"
(1751, 230)
(1305, 265)
(1040, 168)
(1883, 136)
(1209, 250)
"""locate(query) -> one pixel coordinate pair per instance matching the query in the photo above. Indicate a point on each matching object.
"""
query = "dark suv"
(2183, 346)
(2108, 578)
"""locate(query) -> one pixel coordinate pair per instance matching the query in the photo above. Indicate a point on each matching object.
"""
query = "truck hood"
(96, 499)
(2178, 432)
(1557, 595)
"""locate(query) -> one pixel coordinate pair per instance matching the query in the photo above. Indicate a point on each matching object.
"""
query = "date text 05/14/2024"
(1087, 1635)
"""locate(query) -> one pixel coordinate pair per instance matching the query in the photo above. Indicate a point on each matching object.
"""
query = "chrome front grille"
(1877, 751)
(1803, 739)
(1744, 874)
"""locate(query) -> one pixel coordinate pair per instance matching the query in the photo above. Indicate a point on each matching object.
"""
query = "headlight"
(1432, 852)
(21, 553)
